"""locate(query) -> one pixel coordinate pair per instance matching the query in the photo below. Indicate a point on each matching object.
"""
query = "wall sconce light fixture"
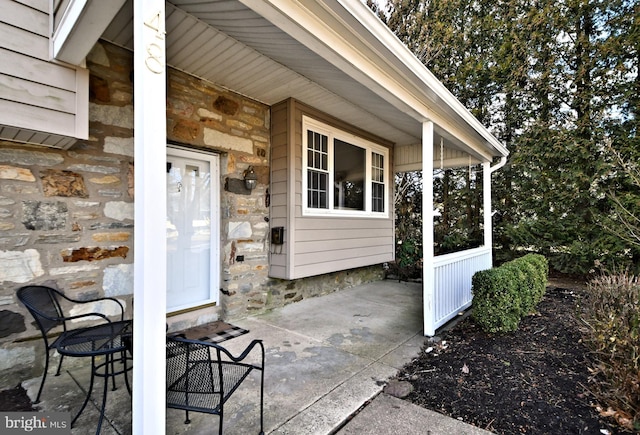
(250, 178)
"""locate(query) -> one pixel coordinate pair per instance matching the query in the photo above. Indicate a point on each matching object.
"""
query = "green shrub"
(408, 262)
(524, 273)
(611, 317)
(504, 295)
(542, 268)
(496, 301)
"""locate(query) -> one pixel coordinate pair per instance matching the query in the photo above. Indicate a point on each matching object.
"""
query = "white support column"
(427, 229)
(149, 316)
(486, 206)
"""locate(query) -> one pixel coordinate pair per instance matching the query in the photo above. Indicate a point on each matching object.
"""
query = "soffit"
(231, 45)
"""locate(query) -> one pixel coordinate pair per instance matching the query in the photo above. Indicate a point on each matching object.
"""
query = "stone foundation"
(250, 299)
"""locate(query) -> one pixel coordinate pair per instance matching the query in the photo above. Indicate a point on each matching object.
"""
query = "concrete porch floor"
(325, 357)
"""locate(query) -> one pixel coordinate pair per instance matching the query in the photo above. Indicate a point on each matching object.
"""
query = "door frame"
(214, 218)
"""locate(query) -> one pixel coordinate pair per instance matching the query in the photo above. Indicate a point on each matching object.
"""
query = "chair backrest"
(43, 304)
(201, 376)
(186, 356)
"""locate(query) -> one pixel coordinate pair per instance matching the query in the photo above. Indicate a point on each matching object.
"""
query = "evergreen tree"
(558, 83)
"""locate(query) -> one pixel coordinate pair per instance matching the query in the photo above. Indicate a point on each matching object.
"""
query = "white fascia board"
(332, 38)
(317, 34)
(381, 32)
(82, 23)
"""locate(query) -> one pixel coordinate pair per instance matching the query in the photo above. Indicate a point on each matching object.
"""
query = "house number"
(154, 59)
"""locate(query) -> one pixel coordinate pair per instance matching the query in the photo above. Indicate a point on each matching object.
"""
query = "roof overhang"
(350, 37)
(77, 25)
(334, 55)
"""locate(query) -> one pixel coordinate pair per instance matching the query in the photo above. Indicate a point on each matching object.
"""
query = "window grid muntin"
(317, 170)
(377, 182)
(310, 127)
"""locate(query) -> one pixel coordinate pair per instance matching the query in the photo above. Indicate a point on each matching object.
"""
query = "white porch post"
(149, 316)
(427, 230)
(486, 206)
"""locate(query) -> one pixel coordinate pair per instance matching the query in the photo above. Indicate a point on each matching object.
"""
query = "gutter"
(500, 164)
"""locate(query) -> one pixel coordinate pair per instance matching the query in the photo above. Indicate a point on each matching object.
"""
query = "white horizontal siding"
(409, 157)
(23, 91)
(352, 256)
(41, 101)
(340, 238)
(37, 70)
(338, 243)
(343, 244)
(23, 41)
(338, 233)
(24, 17)
(33, 118)
(347, 223)
(40, 5)
(278, 176)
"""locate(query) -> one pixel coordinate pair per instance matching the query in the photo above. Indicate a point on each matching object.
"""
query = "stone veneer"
(66, 217)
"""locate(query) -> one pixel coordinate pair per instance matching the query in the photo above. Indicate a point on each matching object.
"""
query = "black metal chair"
(46, 305)
(201, 376)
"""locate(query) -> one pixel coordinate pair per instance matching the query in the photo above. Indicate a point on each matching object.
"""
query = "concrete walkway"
(325, 358)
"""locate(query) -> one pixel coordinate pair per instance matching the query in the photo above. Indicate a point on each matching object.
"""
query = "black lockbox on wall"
(277, 235)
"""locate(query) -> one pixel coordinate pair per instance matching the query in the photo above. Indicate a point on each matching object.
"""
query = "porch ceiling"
(258, 49)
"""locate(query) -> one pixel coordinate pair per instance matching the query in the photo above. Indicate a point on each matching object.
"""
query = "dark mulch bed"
(532, 381)
(15, 399)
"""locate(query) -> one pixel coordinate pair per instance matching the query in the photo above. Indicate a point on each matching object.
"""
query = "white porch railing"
(451, 285)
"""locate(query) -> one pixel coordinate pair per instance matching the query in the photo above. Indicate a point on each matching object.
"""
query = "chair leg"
(86, 399)
(262, 398)
(221, 417)
(113, 370)
(44, 375)
(126, 373)
(59, 364)
(187, 421)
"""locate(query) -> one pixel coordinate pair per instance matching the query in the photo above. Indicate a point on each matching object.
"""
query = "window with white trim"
(343, 174)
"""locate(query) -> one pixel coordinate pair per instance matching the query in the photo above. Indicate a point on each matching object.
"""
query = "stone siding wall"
(66, 216)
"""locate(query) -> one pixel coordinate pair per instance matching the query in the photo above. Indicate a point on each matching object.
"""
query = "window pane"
(377, 198)
(349, 176)
(377, 182)
(310, 139)
(322, 193)
(316, 189)
(377, 167)
(310, 189)
(316, 150)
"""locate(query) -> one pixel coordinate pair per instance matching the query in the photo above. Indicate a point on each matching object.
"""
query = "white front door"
(193, 252)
